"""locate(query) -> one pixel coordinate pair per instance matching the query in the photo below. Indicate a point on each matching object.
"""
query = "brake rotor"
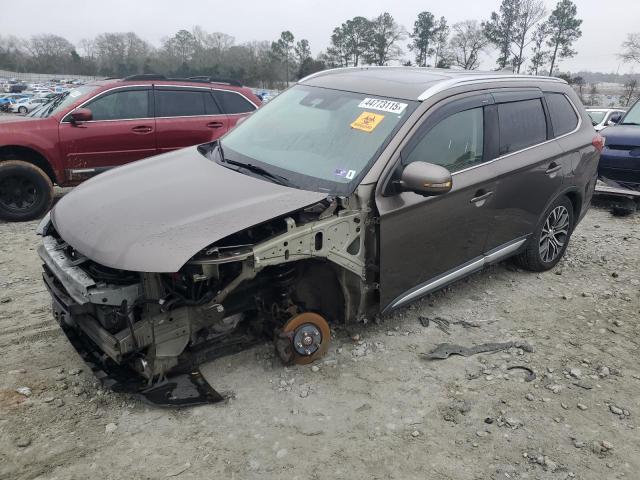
(309, 337)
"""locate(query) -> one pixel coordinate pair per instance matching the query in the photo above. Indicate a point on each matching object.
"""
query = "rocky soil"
(374, 408)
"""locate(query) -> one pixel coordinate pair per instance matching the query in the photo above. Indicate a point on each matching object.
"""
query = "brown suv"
(353, 193)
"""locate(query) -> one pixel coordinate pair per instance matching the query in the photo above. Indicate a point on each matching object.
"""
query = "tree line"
(525, 36)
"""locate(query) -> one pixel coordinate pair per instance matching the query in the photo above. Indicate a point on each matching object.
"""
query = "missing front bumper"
(183, 387)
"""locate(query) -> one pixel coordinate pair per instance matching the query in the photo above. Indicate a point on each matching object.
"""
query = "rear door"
(122, 130)
(426, 242)
(234, 104)
(530, 167)
(187, 116)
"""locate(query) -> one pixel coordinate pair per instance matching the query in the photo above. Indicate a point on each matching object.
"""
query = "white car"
(604, 117)
(25, 105)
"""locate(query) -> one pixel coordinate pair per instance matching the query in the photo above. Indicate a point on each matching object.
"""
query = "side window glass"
(233, 102)
(210, 105)
(563, 116)
(455, 143)
(522, 124)
(179, 103)
(121, 105)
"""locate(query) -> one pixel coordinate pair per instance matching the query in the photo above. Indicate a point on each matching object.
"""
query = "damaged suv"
(353, 193)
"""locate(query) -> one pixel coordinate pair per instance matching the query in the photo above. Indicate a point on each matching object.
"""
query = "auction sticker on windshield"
(367, 121)
(383, 105)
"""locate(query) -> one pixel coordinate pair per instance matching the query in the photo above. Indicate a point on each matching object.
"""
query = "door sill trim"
(465, 269)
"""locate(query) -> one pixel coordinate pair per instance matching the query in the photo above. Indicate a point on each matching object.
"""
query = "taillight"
(598, 142)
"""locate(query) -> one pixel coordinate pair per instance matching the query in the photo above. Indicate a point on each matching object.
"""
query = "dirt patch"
(374, 407)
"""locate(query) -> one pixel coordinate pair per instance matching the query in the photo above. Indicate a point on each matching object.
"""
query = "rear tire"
(548, 243)
(26, 192)
(22, 110)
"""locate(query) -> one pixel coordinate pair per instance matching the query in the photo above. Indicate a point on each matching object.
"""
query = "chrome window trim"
(99, 94)
(532, 146)
(151, 87)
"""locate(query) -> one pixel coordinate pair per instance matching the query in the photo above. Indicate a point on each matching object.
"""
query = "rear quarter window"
(522, 124)
(232, 102)
(563, 116)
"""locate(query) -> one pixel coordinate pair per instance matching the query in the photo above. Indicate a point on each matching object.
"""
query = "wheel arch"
(29, 155)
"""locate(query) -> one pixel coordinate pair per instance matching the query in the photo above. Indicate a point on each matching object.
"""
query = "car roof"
(410, 83)
(111, 82)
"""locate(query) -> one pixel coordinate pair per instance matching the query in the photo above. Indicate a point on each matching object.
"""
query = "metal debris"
(444, 350)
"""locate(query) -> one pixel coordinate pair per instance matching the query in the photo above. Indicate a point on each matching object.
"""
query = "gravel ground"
(373, 408)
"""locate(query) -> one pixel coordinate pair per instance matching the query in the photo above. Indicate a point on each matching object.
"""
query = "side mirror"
(81, 115)
(615, 118)
(425, 179)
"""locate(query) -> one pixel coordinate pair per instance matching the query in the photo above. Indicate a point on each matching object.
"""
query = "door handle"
(215, 124)
(142, 129)
(553, 168)
(481, 196)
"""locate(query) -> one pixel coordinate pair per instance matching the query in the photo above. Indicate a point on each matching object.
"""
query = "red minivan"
(104, 124)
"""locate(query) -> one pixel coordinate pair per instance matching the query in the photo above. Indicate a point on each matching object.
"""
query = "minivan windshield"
(633, 116)
(62, 101)
(316, 138)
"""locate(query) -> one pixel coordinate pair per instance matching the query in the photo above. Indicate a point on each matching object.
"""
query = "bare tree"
(531, 12)
(539, 55)
(631, 46)
(467, 43)
(630, 88)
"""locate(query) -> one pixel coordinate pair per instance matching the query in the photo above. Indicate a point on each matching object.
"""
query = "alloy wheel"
(555, 234)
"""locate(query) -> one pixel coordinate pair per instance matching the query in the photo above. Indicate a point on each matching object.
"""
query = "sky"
(604, 28)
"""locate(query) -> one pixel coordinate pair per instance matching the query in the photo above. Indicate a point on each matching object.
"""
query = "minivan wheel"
(26, 192)
(547, 245)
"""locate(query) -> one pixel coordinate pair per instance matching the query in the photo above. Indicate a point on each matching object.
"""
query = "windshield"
(62, 101)
(633, 116)
(318, 139)
(596, 117)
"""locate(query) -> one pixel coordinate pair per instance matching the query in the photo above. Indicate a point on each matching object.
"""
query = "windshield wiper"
(258, 171)
(629, 123)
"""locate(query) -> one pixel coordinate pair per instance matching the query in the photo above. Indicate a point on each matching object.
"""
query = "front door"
(425, 242)
(122, 130)
(187, 116)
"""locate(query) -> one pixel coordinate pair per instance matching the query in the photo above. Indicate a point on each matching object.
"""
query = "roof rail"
(199, 79)
(210, 79)
(145, 76)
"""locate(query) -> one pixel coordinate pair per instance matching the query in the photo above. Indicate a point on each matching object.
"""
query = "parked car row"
(101, 125)
(355, 192)
(620, 161)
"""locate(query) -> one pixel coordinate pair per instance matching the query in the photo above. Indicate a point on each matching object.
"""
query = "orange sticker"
(367, 121)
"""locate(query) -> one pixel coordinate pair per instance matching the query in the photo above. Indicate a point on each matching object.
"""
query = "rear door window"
(522, 124)
(455, 143)
(563, 116)
(180, 103)
(233, 102)
(121, 105)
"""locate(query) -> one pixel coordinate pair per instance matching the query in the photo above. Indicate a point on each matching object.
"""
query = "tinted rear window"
(522, 124)
(563, 116)
(179, 103)
(233, 102)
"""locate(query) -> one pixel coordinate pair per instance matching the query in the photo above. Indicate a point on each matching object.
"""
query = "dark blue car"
(620, 159)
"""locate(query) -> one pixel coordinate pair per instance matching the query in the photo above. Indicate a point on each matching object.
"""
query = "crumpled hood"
(628, 135)
(155, 214)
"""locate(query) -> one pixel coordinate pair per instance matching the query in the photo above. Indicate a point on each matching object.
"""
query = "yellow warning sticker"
(367, 121)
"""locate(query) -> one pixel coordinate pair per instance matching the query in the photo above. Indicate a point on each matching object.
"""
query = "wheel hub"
(303, 339)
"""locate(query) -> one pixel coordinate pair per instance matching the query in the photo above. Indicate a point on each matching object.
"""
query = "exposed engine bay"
(285, 280)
